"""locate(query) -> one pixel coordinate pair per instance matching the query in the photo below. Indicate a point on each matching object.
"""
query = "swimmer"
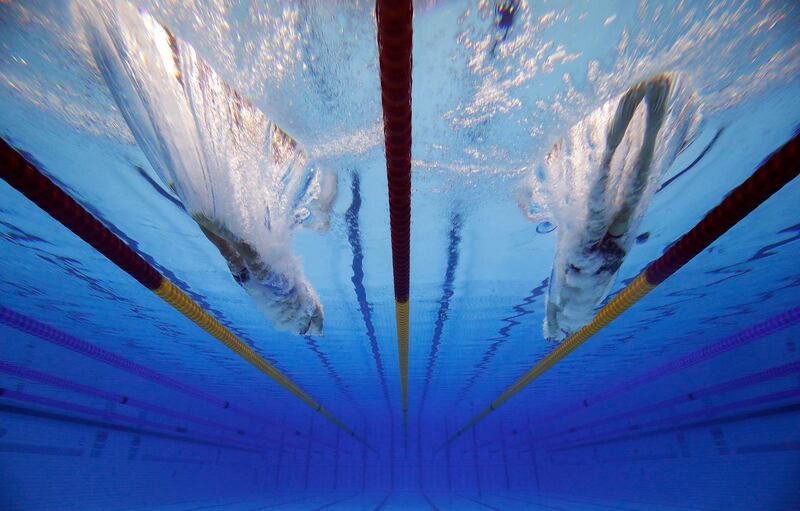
(587, 261)
(217, 152)
(282, 301)
(504, 13)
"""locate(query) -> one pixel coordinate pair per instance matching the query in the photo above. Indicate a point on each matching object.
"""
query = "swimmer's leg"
(656, 92)
(595, 234)
(603, 235)
(597, 223)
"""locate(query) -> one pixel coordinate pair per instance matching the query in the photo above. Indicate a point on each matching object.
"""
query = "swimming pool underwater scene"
(399, 255)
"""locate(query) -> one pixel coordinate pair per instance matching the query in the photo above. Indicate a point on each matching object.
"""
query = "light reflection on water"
(491, 98)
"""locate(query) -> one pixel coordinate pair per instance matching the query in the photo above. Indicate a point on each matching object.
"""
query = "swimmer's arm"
(239, 254)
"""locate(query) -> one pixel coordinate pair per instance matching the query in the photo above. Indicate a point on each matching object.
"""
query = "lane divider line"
(37, 187)
(394, 20)
(778, 170)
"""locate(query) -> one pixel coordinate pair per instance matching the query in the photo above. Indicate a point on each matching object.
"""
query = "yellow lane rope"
(170, 293)
(401, 315)
(775, 172)
(28, 180)
(619, 304)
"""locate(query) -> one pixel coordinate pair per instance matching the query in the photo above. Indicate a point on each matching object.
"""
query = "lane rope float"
(778, 170)
(47, 333)
(37, 187)
(394, 20)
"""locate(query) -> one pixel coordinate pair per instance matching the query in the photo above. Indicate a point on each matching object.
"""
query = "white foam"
(560, 188)
(225, 159)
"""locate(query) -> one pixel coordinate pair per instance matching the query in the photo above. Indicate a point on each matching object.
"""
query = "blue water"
(690, 400)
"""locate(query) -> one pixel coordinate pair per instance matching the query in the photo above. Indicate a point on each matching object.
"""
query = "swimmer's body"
(249, 271)
(582, 278)
(168, 109)
(505, 11)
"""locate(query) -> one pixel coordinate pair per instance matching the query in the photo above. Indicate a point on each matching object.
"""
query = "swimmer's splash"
(246, 182)
(597, 184)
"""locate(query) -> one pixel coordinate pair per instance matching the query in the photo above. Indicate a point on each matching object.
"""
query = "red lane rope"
(772, 175)
(44, 193)
(38, 188)
(394, 49)
(780, 168)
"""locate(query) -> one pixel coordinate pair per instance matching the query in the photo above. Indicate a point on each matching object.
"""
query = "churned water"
(558, 148)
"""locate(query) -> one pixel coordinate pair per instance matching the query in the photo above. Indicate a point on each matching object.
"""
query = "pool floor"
(405, 500)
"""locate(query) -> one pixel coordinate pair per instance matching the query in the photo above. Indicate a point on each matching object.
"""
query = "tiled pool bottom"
(414, 500)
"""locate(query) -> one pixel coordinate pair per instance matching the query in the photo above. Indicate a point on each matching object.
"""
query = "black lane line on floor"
(58, 417)
(430, 502)
(791, 408)
(590, 503)
(332, 372)
(279, 504)
(354, 238)
(538, 504)
(454, 238)
(695, 162)
(383, 502)
(218, 505)
(480, 503)
(519, 311)
(335, 502)
(159, 189)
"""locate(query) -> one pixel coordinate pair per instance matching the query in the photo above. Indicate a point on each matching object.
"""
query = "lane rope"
(30, 326)
(394, 20)
(37, 187)
(778, 170)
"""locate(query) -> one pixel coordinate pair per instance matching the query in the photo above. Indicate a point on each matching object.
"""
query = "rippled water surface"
(263, 122)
